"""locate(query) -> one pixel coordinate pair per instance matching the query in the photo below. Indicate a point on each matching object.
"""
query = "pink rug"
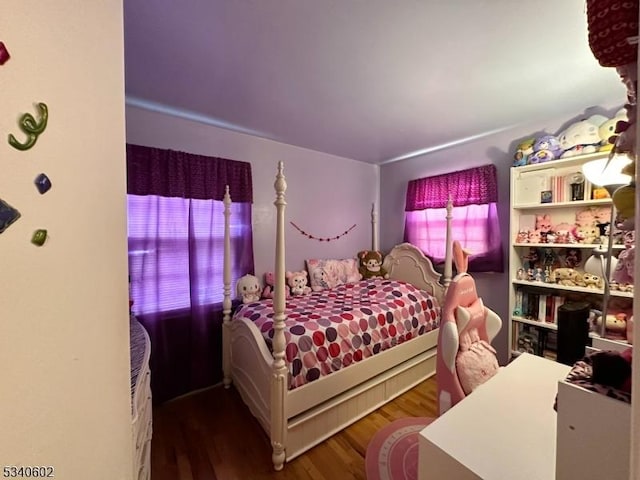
(392, 453)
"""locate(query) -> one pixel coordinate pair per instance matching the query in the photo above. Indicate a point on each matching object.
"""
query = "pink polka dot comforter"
(329, 330)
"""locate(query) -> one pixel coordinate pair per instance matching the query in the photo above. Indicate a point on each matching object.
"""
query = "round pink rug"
(392, 453)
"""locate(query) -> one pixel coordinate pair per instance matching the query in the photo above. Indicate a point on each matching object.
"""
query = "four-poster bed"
(299, 417)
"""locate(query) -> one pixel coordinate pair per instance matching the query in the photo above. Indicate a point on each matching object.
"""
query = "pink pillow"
(476, 360)
(325, 274)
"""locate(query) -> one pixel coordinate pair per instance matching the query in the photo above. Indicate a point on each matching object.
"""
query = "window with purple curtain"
(176, 241)
(474, 193)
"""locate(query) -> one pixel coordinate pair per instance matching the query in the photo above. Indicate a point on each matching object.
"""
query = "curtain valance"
(169, 173)
(466, 187)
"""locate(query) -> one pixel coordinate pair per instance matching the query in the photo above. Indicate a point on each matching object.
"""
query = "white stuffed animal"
(581, 137)
(248, 289)
(297, 281)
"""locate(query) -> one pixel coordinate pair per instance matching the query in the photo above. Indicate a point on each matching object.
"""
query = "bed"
(298, 410)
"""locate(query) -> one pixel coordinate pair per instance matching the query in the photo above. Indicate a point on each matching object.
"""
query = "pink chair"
(465, 357)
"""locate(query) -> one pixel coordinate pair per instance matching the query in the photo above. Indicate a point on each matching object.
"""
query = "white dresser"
(141, 411)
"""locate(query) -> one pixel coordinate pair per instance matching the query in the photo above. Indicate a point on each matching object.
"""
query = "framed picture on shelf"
(546, 196)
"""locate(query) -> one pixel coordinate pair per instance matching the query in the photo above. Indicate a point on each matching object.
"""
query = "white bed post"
(279, 374)
(448, 270)
(226, 302)
(374, 228)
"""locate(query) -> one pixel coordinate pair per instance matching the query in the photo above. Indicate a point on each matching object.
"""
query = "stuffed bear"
(269, 285)
(545, 148)
(248, 288)
(371, 264)
(297, 282)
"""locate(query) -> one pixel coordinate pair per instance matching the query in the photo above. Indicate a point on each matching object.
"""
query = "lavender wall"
(325, 195)
(496, 149)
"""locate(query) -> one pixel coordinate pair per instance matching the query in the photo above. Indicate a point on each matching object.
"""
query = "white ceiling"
(371, 80)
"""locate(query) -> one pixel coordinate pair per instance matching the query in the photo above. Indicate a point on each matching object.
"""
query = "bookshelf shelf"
(553, 205)
(586, 246)
(550, 326)
(555, 286)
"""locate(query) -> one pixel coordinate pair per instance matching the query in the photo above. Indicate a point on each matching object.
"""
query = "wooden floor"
(211, 435)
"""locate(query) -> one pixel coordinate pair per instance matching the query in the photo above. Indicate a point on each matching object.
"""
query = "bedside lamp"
(605, 173)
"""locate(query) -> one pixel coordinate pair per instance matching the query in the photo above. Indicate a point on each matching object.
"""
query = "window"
(174, 240)
(475, 216)
(176, 253)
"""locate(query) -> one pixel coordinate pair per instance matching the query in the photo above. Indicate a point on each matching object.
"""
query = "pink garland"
(321, 239)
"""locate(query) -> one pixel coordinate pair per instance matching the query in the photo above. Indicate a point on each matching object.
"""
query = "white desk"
(506, 429)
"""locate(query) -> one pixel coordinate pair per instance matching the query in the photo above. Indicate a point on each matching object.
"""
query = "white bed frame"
(299, 419)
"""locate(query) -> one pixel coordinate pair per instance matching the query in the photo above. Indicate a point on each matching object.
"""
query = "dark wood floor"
(211, 435)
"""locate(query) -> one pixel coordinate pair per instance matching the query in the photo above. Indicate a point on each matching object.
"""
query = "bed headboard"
(405, 262)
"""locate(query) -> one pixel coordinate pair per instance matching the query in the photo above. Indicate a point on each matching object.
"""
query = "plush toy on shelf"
(371, 264)
(581, 137)
(269, 286)
(568, 277)
(297, 282)
(248, 289)
(623, 273)
(607, 131)
(545, 149)
(523, 150)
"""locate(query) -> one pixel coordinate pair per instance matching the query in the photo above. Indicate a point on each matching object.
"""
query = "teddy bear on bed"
(297, 282)
(248, 288)
(371, 264)
(270, 284)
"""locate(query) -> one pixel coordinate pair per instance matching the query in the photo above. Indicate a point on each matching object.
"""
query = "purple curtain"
(176, 235)
(474, 193)
(466, 187)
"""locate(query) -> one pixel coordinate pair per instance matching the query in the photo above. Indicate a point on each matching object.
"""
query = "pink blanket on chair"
(329, 330)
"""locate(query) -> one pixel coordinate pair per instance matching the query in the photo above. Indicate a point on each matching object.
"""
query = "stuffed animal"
(623, 272)
(371, 264)
(581, 137)
(585, 218)
(269, 285)
(297, 282)
(248, 288)
(607, 131)
(567, 276)
(543, 223)
(592, 281)
(523, 150)
(545, 148)
(587, 234)
(615, 325)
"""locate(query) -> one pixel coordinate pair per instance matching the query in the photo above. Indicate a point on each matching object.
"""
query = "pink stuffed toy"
(270, 283)
(623, 274)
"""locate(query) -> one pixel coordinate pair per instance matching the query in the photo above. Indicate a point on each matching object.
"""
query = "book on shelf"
(537, 306)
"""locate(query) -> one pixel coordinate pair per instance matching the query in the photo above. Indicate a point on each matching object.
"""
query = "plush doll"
(269, 285)
(371, 264)
(573, 258)
(581, 137)
(297, 282)
(623, 273)
(607, 131)
(248, 289)
(545, 148)
(523, 150)
(543, 223)
(585, 218)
